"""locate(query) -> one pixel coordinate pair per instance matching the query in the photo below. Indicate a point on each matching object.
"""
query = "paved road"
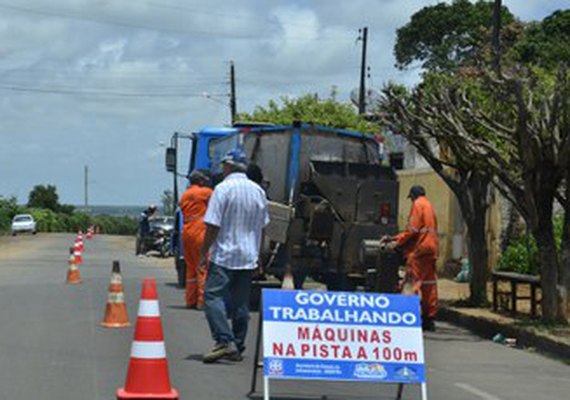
(51, 346)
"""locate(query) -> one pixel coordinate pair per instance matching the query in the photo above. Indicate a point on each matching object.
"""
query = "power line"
(101, 73)
(73, 16)
(69, 84)
(238, 17)
(99, 93)
(127, 24)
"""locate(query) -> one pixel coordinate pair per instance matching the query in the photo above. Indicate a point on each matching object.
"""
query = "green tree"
(417, 116)
(8, 208)
(545, 43)
(309, 108)
(515, 128)
(446, 36)
(44, 196)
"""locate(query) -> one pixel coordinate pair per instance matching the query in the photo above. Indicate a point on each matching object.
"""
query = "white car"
(23, 223)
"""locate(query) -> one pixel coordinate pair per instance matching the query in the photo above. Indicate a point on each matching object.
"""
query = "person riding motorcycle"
(144, 229)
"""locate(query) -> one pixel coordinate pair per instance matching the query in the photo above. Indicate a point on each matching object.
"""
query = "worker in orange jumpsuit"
(420, 245)
(193, 203)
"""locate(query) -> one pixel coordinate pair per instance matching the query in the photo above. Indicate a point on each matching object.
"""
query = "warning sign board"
(342, 336)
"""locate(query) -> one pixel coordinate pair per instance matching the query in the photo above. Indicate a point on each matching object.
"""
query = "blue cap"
(237, 158)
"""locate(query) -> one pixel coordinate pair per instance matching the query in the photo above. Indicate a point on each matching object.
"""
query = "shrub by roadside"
(521, 255)
(50, 221)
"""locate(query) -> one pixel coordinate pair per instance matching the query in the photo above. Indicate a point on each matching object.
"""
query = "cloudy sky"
(104, 83)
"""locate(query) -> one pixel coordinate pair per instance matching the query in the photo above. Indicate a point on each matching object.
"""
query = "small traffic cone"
(116, 309)
(78, 255)
(79, 242)
(73, 277)
(147, 376)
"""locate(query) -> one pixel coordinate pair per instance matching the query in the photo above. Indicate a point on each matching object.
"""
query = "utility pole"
(362, 93)
(86, 186)
(496, 38)
(233, 110)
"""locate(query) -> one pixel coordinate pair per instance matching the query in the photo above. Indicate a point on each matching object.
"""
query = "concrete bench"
(515, 280)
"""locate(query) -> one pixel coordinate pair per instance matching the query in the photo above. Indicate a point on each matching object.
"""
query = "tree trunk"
(478, 256)
(565, 261)
(544, 235)
(474, 204)
(513, 229)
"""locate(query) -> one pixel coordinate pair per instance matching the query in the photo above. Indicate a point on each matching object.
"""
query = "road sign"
(342, 336)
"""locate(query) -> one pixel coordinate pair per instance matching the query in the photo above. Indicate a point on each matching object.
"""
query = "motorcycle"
(159, 238)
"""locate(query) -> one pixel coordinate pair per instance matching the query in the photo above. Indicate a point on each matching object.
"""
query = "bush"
(47, 220)
(116, 225)
(8, 208)
(521, 254)
(50, 221)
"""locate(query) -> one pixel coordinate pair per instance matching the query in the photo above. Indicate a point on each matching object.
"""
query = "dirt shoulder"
(127, 243)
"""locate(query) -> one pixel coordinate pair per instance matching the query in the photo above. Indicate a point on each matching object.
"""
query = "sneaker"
(236, 357)
(219, 351)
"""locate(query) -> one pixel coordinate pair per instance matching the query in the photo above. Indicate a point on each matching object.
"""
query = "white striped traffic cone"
(147, 376)
(116, 310)
(73, 277)
(78, 255)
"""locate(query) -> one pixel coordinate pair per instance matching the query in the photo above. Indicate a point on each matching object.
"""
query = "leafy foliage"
(522, 254)
(309, 108)
(446, 36)
(50, 221)
(8, 208)
(546, 43)
(45, 196)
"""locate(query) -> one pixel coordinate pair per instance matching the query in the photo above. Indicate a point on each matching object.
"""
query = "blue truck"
(330, 198)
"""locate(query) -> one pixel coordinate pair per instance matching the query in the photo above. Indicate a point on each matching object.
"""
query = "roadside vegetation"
(521, 255)
(51, 216)
(491, 114)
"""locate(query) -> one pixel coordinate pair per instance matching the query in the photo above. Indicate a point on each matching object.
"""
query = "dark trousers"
(223, 283)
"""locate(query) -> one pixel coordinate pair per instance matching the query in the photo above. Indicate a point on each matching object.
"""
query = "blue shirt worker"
(236, 216)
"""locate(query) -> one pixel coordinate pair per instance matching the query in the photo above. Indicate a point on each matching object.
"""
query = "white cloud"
(168, 47)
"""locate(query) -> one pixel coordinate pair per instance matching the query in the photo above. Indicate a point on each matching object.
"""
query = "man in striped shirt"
(236, 216)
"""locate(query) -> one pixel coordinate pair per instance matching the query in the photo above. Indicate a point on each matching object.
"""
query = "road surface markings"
(473, 390)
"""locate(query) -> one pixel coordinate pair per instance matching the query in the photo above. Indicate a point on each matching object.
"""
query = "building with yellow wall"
(451, 227)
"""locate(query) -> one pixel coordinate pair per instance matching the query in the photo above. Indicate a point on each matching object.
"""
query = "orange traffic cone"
(79, 243)
(147, 377)
(116, 309)
(78, 255)
(73, 277)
